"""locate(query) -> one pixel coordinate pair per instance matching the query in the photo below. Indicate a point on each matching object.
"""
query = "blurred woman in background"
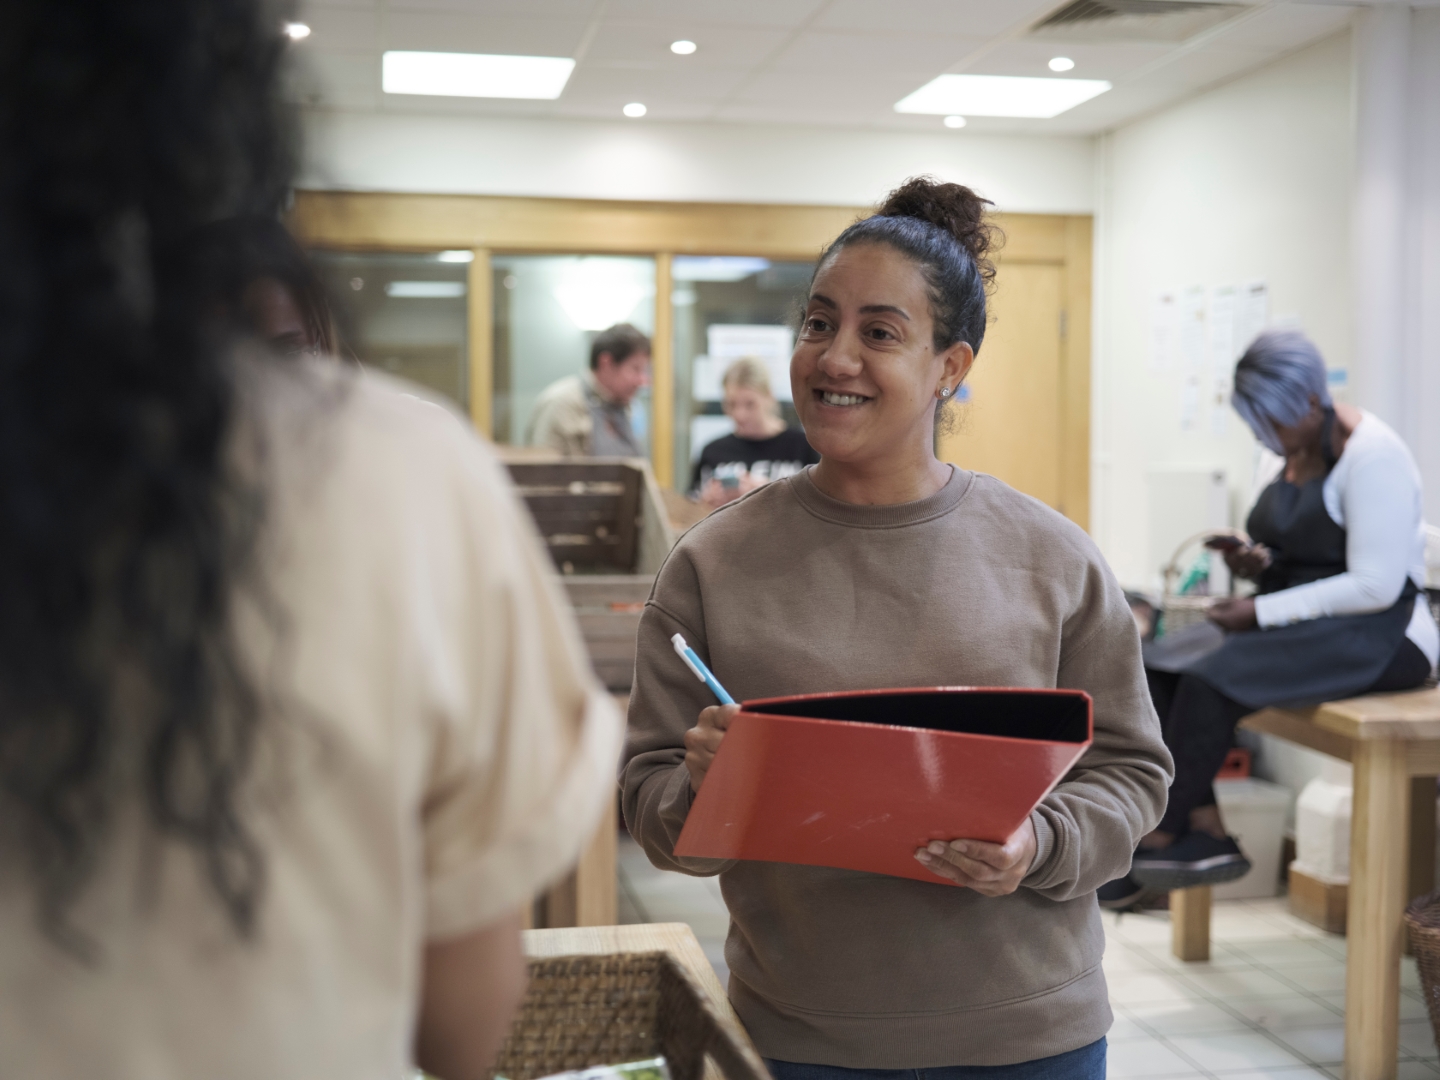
(1338, 557)
(269, 625)
(761, 448)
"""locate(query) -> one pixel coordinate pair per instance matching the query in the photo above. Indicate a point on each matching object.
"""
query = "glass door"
(547, 311)
(403, 313)
(727, 307)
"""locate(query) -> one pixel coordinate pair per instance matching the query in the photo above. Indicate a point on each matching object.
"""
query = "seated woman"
(1338, 555)
(884, 567)
(762, 448)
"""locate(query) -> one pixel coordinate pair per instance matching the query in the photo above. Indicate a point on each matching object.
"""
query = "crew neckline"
(893, 516)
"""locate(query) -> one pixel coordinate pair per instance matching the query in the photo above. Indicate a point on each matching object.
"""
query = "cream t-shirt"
(434, 750)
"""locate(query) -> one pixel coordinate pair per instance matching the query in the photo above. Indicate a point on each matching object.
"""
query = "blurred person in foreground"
(761, 448)
(1338, 559)
(292, 721)
(588, 415)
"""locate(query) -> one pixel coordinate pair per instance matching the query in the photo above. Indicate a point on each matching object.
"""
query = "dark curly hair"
(126, 127)
(945, 230)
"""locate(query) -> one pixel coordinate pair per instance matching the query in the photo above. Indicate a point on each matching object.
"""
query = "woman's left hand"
(989, 869)
(1233, 614)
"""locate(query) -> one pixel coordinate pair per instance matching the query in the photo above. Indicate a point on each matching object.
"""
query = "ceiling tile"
(726, 12)
(340, 29)
(342, 80)
(444, 32)
(491, 9)
(1023, 57)
(1285, 27)
(620, 85)
(918, 56)
(980, 18)
(648, 42)
(830, 90)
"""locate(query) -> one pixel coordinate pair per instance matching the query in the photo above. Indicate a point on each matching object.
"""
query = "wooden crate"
(605, 525)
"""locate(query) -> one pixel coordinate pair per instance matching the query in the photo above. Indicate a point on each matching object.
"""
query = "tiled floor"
(1270, 1004)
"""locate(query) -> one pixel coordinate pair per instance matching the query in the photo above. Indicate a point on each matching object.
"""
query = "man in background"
(588, 415)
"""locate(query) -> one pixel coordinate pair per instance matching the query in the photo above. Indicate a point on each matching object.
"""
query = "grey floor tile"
(1289, 1072)
(1417, 1038)
(1234, 1052)
(1139, 1058)
(1184, 1017)
(1312, 978)
(1322, 1045)
(1139, 987)
(1284, 952)
(1239, 983)
(1294, 1011)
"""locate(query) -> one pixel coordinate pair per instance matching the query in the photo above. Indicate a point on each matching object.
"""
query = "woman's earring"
(944, 391)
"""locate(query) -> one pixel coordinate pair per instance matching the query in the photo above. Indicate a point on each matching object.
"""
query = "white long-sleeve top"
(1374, 494)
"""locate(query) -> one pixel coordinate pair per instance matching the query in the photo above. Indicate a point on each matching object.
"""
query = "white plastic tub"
(1254, 813)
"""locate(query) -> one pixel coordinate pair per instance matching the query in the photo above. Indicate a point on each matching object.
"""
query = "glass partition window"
(403, 313)
(727, 307)
(548, 309)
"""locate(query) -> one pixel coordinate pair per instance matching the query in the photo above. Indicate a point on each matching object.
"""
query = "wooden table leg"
(1422, 837)
(1379, 866)
(1190, 923)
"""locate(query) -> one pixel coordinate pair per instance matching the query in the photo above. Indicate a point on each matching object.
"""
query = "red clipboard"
(858, 781)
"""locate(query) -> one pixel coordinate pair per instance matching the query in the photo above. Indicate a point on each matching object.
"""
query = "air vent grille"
(1133, 20)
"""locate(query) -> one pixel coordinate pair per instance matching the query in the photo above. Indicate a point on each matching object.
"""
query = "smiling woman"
(884, 567)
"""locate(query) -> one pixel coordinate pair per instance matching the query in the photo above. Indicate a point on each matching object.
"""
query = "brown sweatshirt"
(789, 591)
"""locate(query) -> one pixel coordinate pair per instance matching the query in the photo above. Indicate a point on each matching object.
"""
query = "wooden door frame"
(494, 224)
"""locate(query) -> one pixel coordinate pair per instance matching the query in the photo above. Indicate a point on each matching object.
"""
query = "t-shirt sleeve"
(524, 741)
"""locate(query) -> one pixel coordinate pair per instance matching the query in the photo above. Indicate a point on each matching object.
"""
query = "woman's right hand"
(1248, 562)
(702, 740)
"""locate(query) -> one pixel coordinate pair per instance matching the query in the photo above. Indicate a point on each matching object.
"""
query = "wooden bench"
(1393, 742)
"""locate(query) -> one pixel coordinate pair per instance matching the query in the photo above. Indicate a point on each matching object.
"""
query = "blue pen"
(703, 673)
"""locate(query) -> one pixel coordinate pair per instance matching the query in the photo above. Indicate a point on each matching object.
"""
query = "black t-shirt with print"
(768, 459)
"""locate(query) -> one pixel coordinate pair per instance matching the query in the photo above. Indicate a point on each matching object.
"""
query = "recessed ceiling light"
(460, 256)
(475, 75)
(954, 121)
(682, 47)
(296, 31)
(634, 110)
(1062, 63)
(1000, 95)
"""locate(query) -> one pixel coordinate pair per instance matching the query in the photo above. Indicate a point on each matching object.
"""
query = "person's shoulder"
(760, 509)
(1024, 522)
(569, 389)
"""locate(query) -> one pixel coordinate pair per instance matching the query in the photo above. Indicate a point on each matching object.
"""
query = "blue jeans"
(1087, 1063)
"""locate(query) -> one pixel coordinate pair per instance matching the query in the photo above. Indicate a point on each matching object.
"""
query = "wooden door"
(1013, 423)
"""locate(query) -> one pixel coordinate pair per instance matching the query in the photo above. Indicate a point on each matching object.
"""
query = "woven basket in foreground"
(1422, 918)
(584, 1011)
(1180, 610)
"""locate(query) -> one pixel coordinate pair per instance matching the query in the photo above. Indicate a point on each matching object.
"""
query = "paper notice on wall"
(705, 376)
(1164, 330)
(1222, 329)
(772, 345)
(1252, 313)
(1192, 330)
(1220, 405)
(1189, 402)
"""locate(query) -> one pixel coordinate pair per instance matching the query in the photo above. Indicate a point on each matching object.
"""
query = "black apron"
(1304, 663)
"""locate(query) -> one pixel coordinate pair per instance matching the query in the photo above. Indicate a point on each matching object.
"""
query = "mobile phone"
(1224, 543)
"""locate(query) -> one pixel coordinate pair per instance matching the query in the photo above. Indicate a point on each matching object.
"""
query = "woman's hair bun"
(952, 207)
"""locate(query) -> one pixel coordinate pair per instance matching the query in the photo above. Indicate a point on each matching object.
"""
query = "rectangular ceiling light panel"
(483, 75)
(1000, 95)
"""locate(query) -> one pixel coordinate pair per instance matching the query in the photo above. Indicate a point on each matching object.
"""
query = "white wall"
(1250, 181)
(365, 151)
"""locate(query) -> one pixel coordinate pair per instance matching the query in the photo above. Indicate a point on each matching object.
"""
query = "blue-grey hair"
(1274, 382)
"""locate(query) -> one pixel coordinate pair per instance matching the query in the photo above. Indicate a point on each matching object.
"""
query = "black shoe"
(1197, 858)
(1121, 894)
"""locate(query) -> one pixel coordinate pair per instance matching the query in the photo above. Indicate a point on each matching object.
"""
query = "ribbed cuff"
(1044, 847)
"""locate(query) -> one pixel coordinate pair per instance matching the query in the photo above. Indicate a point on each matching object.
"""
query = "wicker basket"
(584, 1011)
(1178, 609)
(1422, 919)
